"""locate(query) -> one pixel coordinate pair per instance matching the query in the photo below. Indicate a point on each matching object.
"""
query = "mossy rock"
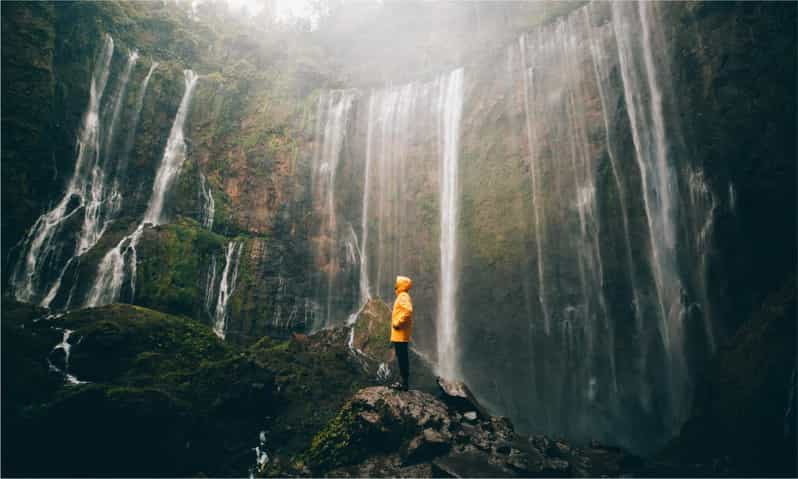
(377, 420)
(373, 331)
(159, 390)
(315, 375)
(173, 263)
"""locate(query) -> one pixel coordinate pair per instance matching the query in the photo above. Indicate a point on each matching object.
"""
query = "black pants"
(404, 363)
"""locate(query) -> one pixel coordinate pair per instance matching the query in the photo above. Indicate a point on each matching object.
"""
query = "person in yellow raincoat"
(402, 329)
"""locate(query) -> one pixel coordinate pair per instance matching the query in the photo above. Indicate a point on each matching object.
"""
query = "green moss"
(332, 446)
(157, 382)
(173, 264)
(315, 377)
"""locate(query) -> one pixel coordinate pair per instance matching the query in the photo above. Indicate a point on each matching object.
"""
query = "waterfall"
(450, 105)
(607, 228)
(334, 114)
(111, 275)
(405, 157)
(644, 102)
(399, 118)
(227, 286)
(537, 204)
(65, 347)
(208, 207)
(703, 209)
(102, 202)
(173, 156)
(131, 133)
(45, 255)
(210, 288)
(111, 272)
(600, 69)
(572, 329)
(365, 292)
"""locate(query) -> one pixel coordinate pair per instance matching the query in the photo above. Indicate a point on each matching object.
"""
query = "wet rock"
(371, 348)
(382, 420)
(540, 442)
(555, 467)
(382, 466)
(371, 334)
(457, 396)
(384, 432)
(468, 464)
(427, 445)
(558, 449)
(740, 406)
(503, 447)
(518, 461)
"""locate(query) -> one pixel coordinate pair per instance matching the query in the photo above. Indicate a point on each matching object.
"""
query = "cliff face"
(623, 198)
(599, 219)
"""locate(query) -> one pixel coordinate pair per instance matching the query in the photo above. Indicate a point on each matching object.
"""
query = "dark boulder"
(457, 396)
(383, 432)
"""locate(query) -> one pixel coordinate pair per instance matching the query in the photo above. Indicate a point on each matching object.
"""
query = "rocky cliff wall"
(574, 272)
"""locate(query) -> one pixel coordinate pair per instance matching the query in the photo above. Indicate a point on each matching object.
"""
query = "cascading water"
(121, 167)
(210, 289)
(450, 105)
(365, 292)
(65, 348)
(334, 114)
(48, 250)
(619, 233)
(600, 70)
(173, 156)
(414, 120)
(644, 99)
(537, 204)
(227, 285)
(208, 205)
(102, 203)
(111, 274)
(573, 317)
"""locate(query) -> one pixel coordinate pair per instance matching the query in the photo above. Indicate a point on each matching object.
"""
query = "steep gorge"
(589, 210)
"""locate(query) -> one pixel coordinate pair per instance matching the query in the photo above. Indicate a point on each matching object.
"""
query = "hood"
(403, 284)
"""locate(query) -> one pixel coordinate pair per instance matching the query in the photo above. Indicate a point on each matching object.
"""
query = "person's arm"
(405, 310)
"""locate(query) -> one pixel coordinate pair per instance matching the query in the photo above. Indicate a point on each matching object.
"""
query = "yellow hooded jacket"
(402, 317)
